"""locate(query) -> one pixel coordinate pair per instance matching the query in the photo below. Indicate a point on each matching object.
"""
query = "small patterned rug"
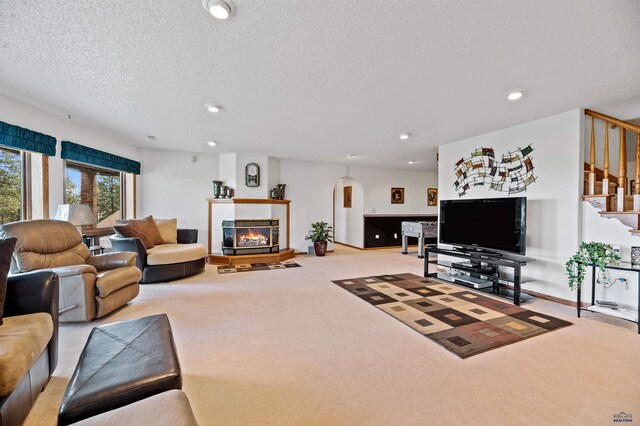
(464, 322)
(248, 267)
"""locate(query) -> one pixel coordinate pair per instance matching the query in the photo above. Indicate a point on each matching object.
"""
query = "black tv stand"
(481, 265)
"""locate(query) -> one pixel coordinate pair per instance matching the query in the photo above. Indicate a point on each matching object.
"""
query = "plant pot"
(320, 247)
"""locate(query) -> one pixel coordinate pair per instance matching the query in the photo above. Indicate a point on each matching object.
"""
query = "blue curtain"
(26, 140)
(84, 154)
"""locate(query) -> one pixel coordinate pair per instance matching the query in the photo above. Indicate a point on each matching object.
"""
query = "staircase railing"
(621, 189)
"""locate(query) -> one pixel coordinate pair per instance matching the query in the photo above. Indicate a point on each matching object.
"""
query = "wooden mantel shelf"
(246, 201)
(211, 201)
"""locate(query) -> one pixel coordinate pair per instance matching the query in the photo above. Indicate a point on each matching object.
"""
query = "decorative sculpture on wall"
(512, 174)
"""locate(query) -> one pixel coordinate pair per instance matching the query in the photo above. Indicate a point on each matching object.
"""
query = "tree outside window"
(10, 185)
(97, 187)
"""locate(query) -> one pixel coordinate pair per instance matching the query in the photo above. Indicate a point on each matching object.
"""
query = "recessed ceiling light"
(219, 9)
(411, 162)
(212, 143)
(515, 94)
(350, 156)
(212, 107)
(404, 135)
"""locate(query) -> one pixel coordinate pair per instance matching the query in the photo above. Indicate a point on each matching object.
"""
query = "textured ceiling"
(317, 80)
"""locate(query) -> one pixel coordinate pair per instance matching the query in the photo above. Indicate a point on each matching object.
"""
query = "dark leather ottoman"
(122, 363)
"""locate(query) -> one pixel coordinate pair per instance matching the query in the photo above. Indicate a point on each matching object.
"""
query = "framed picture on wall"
(432, 196)
(397, 195)
(347, 197)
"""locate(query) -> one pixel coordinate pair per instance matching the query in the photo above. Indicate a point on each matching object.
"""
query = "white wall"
(377, 184)
(171, 185)
(310, 189)
(553, 202)
(349, 222)
(15, 112)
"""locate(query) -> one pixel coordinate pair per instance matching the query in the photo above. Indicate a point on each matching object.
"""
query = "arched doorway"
(348, 211)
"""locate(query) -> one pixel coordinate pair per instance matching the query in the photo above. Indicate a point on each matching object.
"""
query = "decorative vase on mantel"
(277, 193)
(217, 189)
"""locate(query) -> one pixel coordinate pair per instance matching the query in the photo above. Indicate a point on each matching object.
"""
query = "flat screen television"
(491, 224)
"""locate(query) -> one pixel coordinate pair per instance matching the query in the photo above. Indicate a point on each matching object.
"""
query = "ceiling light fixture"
(219, 9)
(404, 135)
(411, 162)
(515, 94)
(212, 143)
(212, 107)
(350, 156)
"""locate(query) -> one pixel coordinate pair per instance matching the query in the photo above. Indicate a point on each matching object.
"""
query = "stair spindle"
(622, 179)
(592, 159)
(605, 181)
(621, 191)
(636, 196)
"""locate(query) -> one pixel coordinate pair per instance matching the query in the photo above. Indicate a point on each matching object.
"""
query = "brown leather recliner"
(90, 286)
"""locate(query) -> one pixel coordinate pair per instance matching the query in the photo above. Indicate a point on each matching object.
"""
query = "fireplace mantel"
(282, 255)
(246, 201)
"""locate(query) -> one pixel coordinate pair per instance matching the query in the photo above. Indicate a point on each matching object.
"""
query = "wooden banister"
(612, 120)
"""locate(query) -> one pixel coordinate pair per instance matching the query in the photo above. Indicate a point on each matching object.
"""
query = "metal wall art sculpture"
(513, 173)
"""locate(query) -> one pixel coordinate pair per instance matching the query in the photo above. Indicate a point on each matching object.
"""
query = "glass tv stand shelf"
(481, 266)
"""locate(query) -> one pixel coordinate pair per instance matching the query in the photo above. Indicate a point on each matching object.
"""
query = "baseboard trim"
(347, 245)
(387, 247)
(548, 297)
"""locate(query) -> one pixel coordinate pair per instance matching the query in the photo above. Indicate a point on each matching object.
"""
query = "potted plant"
(596, 254)
(320, 233)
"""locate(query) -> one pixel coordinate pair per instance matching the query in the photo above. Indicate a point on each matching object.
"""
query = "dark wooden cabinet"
(386, 230)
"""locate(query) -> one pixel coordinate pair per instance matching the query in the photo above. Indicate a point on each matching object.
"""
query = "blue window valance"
(26, 140)
(84, 154)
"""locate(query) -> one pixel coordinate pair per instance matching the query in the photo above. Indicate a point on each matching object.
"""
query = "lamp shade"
(77, 214)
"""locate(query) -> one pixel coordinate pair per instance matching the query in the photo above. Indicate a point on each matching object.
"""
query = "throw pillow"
(144, 228)
(168, 229)
(6, 251)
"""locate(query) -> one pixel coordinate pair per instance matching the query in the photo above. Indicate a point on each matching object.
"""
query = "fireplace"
(250, 236)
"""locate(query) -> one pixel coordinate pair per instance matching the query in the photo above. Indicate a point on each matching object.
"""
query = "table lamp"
(77, 214)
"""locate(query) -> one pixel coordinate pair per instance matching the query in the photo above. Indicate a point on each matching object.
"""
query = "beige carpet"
(290, 348)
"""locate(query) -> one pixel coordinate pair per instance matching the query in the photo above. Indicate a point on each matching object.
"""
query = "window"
(10, 185)
(106, 191)
(23, 179)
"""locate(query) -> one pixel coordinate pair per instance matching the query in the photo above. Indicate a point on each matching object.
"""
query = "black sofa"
(31, 293)
(166, 272)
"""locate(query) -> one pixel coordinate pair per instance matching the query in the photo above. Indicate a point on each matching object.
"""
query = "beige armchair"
(90, 286)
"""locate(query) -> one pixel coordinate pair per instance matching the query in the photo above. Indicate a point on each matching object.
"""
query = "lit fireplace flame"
(252, 239)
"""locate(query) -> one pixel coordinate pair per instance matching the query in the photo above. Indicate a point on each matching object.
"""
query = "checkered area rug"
(464, 322)
(248, 267)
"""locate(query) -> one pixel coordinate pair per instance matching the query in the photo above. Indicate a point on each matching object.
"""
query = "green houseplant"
(320, 233)
(597, 254)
